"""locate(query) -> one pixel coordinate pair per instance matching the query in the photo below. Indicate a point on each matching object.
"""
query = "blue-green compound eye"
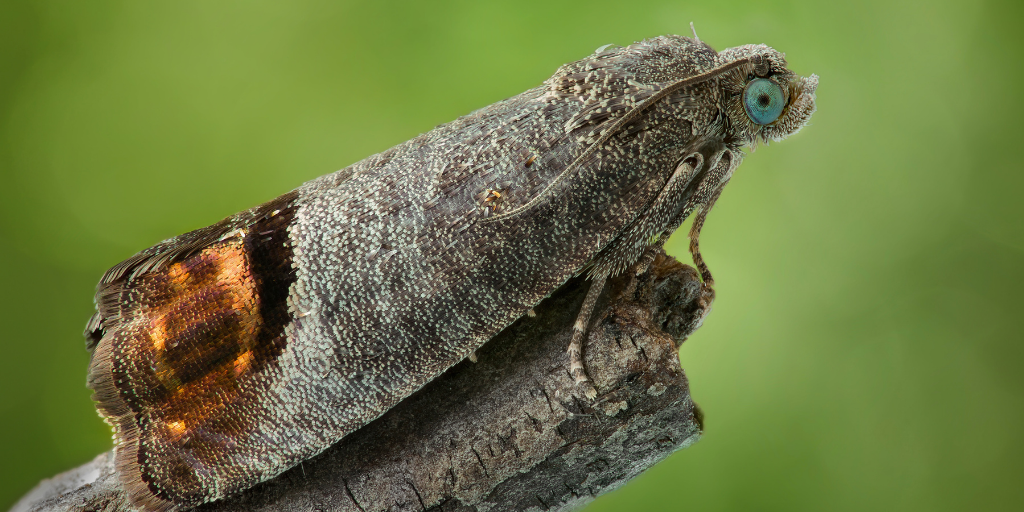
(763, 100)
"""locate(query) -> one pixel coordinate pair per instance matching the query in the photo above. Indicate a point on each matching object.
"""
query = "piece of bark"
(510, 432)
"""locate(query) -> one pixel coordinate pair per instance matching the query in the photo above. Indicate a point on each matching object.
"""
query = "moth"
(224, 356)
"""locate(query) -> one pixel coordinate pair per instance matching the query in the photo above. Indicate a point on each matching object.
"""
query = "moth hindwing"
(227, 355)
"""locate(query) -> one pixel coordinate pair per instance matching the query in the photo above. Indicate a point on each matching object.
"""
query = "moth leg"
(707, 294)
(579, 330)
(650, 254)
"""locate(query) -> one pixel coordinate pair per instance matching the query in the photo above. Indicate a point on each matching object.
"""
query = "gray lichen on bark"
(509, 432)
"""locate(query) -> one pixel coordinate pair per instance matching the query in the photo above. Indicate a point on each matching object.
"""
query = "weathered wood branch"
(509, 432)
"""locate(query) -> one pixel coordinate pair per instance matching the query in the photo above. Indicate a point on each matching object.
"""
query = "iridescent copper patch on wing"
(187, 338)
(195, 319)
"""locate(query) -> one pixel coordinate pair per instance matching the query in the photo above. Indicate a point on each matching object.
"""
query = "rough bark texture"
(510, 432)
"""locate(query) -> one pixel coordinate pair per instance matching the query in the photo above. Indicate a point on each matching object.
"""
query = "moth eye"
(763, 100)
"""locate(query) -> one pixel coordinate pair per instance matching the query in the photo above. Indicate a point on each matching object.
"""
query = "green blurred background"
(865, 350)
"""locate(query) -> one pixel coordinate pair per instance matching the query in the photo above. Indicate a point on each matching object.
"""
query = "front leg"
(707, 293)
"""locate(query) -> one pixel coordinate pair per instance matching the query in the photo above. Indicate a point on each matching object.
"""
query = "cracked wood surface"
(510, 432)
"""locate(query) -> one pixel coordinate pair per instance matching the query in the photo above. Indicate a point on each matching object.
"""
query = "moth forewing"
(224, 356)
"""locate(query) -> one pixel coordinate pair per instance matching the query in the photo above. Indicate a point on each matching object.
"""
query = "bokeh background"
(865, 352)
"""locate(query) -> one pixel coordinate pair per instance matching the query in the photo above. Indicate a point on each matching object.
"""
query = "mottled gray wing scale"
(402, 268)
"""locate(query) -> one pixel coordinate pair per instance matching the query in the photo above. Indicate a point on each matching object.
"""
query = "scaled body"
(227, 355)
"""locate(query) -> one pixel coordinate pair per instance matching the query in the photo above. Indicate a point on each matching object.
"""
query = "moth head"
(763, 99)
